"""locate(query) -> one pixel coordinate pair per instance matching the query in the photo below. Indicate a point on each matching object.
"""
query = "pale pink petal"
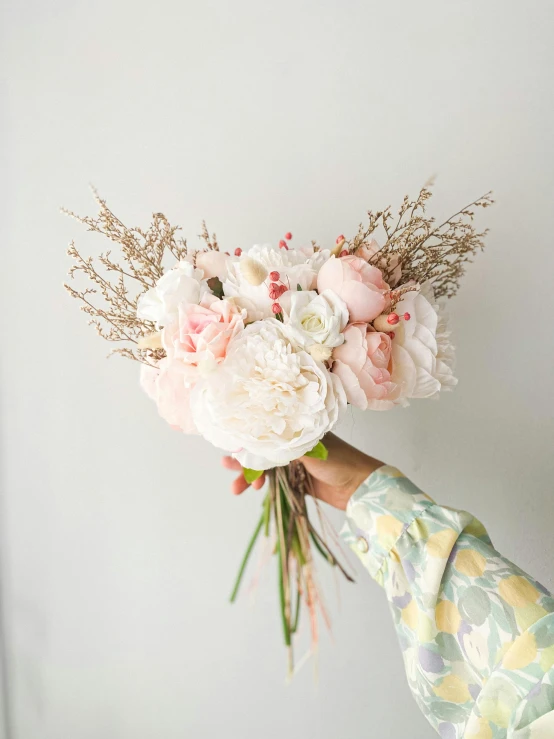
(364, 302)
(351, 385)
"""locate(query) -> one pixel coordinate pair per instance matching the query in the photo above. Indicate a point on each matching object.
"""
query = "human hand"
(334, 480)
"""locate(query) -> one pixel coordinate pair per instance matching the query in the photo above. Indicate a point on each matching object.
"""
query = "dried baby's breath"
(112, 303)
(424, 250)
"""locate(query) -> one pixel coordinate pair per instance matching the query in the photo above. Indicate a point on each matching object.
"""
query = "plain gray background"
(119, 539)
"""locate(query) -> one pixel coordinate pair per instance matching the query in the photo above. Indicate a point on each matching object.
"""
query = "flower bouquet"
(259, 350)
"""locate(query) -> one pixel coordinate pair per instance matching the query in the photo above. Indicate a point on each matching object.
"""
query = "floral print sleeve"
(477, 633)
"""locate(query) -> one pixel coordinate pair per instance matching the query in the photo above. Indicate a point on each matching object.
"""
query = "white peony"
(422, 355)
(269, 402)
(181, 284)
(315, 319)
(295, 267)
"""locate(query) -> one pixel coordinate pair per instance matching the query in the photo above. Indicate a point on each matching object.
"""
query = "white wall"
(119, 538)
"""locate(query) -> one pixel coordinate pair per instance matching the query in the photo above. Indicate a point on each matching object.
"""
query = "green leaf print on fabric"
(449, 647)
(448, 711)
(544, 635)
(474, 605)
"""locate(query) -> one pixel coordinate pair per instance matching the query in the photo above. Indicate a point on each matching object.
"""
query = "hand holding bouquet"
(259, 350)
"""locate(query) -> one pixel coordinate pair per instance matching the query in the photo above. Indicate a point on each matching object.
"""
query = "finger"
(259, 483)
(230, 463)
(239, 485)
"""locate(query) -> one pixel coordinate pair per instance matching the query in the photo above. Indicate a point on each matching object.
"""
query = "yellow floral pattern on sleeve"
(477, 633)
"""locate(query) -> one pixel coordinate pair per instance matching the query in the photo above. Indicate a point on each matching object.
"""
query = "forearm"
(477, 633)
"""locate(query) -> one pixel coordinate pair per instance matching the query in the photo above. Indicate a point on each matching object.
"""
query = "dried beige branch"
(424, 251)
(112, 304)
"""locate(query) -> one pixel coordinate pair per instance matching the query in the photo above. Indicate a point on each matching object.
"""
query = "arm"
(477, 633)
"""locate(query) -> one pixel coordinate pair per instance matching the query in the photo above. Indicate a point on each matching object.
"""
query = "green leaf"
(216, 286)
(299, 287)
(251, 475)
(319, 451)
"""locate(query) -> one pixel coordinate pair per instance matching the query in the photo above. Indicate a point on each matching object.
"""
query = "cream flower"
(422, 355)
(269, 402)
(183, 283)
(213, 263)
(295, 267)
(315, 319)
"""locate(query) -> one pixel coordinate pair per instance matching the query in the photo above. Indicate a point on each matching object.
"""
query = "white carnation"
(295, 267)
(183, 283)
(269, 402)
(315, 319)
(422, 354)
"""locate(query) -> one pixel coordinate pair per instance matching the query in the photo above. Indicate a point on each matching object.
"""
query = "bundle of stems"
(285, 518)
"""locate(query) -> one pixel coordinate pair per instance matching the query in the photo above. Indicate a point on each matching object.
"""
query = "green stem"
(329, 557)
(286, 625)
(246, 557)
(267, 513)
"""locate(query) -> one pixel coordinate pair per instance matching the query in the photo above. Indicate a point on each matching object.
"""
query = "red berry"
(392, 334)
(407, 316)
(276, 308)
(288, 236)
(238, 251)
(339, 239)
(344, 253)
(274, 276)
(283, 244)
(282, 289)
(273, 293)
(393, 319)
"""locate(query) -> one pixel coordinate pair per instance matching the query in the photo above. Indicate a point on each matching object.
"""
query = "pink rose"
(362, 364)
(368, 251)
(169, 385)
(360, 285)
(202, 332)
(213, 263)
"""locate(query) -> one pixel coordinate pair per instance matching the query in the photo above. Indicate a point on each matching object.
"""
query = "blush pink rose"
(202, 332)
(368, 252)
(358, 283)
(363, 364)
(169, 385)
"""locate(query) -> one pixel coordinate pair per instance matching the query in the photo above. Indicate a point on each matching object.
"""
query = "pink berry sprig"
(385, 322)
(394, 318)
(283, 243)
(276, 289)
(340, 241)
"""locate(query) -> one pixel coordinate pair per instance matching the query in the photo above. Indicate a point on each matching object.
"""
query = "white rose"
(269, 402)
(422, 355)
(315, 319)
(181, 284)
(295, 267)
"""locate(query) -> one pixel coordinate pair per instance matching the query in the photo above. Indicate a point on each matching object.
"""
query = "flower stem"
(267, 513)
(282, 599)
(297, 610)
(246, 557)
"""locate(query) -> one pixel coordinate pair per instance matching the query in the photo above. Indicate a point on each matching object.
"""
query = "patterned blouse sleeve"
(477, 633)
